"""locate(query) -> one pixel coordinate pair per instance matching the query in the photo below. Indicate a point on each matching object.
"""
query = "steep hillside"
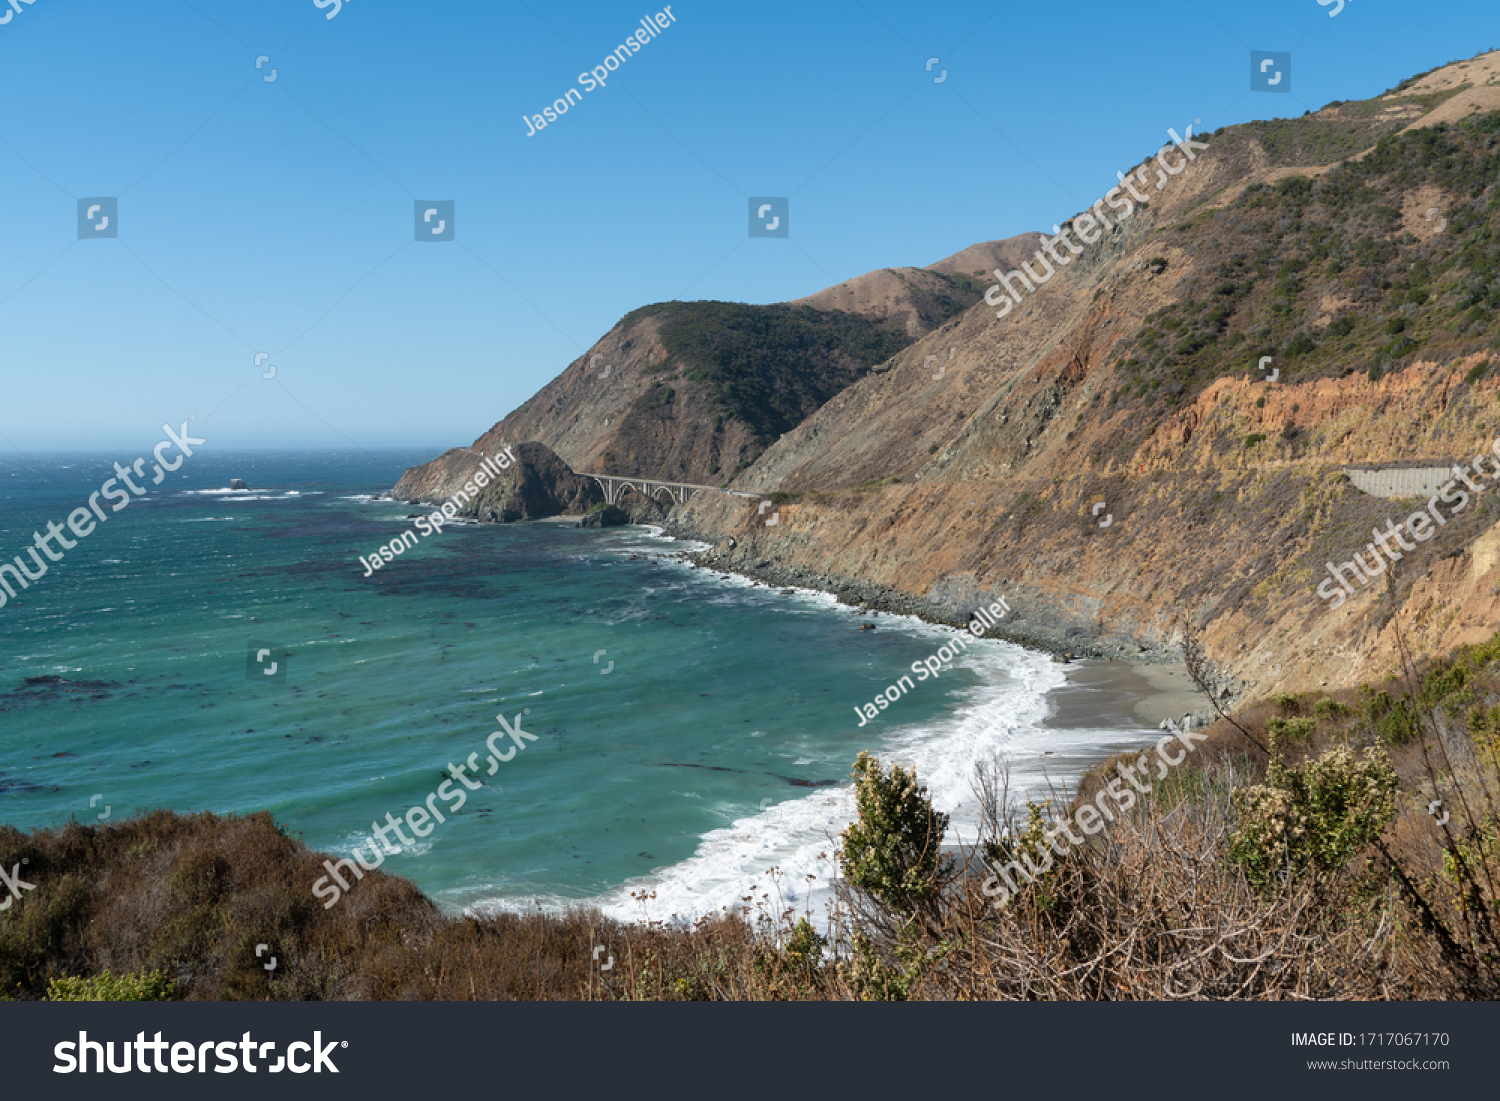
(1109, 454)
(1152, 429)
(921, 299)
(696, 391)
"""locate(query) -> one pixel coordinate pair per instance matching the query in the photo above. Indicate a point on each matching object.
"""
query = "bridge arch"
(614, 485)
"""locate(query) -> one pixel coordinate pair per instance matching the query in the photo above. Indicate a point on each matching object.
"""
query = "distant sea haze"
(81, 520)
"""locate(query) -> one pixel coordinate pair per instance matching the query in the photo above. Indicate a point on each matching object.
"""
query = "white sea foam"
(1003, 716)
(366, 842)
(246, 494)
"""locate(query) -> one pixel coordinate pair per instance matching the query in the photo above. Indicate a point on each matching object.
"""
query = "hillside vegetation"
(1304, 296)
(770, 366)
(1329, 275)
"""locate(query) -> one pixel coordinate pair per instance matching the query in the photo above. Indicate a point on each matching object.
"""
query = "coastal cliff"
(1154, 432)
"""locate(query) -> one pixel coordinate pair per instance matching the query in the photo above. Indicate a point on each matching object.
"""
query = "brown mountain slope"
(977, 261)
(921, 299)
(694, 392)
(1108, 455)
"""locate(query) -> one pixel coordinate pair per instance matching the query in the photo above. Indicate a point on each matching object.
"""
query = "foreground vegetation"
(1316, 846)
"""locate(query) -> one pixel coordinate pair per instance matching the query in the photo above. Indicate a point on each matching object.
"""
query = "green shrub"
(1288, 703)
(145, 986)
(1030, 847)
(1476, 373)
(872, 978)
(1313, 817)
(36, 929)
(1394, 720)
(1293, 730)
(1253, 439)
(794, 968)
(892, 852)
(1331, 709)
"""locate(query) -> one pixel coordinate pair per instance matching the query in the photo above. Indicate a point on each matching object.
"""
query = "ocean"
(693, 731)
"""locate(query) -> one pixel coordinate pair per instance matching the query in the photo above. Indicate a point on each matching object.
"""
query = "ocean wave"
(367, 843)
(1003, 717)
(246, 494)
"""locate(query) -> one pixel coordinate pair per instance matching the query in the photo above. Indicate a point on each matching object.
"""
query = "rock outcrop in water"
(537, 485)
(610, 516)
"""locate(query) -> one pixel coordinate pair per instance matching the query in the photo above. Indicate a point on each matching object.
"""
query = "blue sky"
(279, 216)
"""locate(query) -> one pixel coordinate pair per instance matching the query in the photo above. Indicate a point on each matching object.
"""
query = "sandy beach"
(1114, 693)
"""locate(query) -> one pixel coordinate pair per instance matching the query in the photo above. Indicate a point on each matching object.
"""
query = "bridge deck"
(614, 484)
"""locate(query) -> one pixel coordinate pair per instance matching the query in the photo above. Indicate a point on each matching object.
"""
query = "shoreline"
(1144, 694)
(1114, 692)
(1159, 667)
(1110, 684)
(1102, 706)
(1126, 685)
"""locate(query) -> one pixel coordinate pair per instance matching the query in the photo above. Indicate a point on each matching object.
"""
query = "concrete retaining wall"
(1418, 481)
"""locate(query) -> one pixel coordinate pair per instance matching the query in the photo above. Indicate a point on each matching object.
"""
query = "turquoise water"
(717, 743)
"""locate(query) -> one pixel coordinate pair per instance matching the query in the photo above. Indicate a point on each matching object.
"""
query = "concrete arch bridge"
(678, 492)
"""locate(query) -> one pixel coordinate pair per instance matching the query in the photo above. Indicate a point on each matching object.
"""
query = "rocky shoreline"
(872, 598)
(1027, 626)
